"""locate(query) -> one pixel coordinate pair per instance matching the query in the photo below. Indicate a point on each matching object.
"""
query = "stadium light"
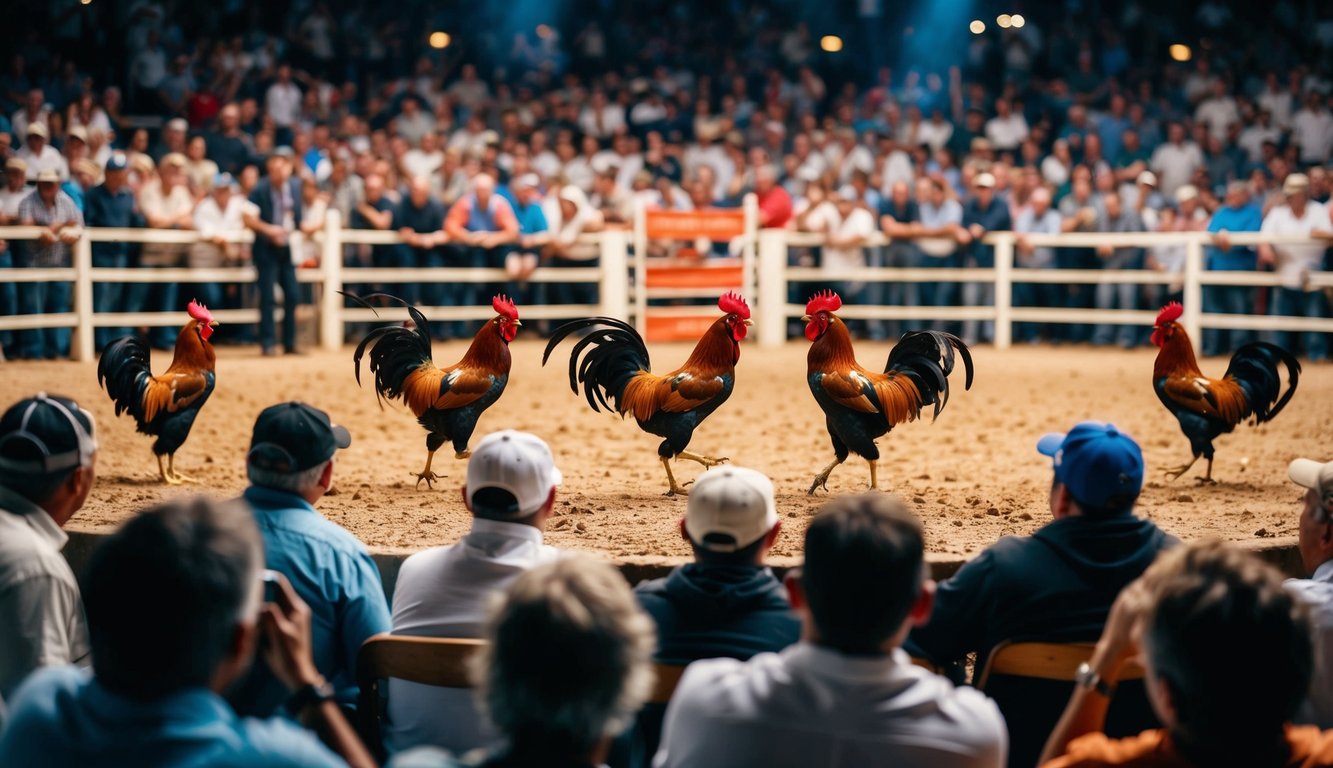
(830, 43)
(1180, 52)
(1004, 20)
(544, 31)
(439, 40)
(977, 26)
(86, 2)
(1017, 20)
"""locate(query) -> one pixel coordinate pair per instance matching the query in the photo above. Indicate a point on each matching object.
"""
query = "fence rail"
(622, 291)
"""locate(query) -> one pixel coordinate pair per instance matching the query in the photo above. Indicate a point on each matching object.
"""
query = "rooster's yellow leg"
(167, 477)
(1175, 472)
(708, 461)
(1208, 476)
(672, 488)
(425, 474)
(874, 474)
(171, 470)
(821, 479)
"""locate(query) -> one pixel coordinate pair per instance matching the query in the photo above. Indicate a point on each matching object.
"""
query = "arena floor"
(974, 475)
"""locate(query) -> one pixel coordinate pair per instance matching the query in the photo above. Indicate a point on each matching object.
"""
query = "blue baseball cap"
(1101, 466)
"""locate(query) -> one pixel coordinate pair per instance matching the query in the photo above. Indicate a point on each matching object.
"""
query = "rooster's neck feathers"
(488, 351)
(1176, 356)
(833, 350)
(192, 352)
(716, 352)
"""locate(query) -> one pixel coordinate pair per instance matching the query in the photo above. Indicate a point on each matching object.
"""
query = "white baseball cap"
(517, 462)
(1314, 475)
(730, 508)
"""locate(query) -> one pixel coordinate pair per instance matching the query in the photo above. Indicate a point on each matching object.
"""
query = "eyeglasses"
(50, 462)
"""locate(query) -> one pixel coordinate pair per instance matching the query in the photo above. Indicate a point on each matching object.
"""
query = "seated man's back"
(448, 591)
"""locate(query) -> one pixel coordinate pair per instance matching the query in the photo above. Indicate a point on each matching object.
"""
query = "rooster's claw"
(429, 477)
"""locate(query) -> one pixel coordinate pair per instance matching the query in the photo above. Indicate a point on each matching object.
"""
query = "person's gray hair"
(292, 482)
(568, 657)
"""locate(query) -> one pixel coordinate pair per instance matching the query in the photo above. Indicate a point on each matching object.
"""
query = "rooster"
(616, 367)
(164, 406)
(446, 402)
(861, 405)
(1206, 408)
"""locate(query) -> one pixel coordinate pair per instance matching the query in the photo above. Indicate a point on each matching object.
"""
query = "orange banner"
(722, 224)
(676, 328)
(721, 278)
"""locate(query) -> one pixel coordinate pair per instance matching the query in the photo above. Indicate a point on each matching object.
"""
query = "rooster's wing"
(1219, 399)
(172, 392)
(429, 388)
(677, 392)
(892, 393)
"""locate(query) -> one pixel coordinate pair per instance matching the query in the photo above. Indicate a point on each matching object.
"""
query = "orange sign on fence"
(721, 224)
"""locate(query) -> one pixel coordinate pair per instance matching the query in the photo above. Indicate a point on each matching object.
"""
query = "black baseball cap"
(45, 434)
(293, 437)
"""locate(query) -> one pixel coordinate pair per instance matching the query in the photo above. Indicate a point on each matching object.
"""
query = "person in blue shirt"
(533, 234)
(1238, 213)
(112, 204)
(290, 467)
(982, 213)
(175, 609)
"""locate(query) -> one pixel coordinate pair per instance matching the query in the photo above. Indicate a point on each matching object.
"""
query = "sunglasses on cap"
(50, 461)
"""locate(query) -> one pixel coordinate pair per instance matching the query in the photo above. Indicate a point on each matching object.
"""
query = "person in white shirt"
(48, 451)
(1294, 263)
(41, 156)
(1175, 161)
(600, 118)
(846, 694)
(282, 101)
(426, 158)
(446, 591)
(218, 218)
(1007, 129)
(1218, 111)
(1312, 131)
(845, 240)
(1315, 544)
(34, 110)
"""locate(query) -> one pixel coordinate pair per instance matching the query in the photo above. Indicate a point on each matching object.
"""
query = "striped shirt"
(33, 210)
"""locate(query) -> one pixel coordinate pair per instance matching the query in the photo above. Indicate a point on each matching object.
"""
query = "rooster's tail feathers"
(1255, 367)
(395, 352)
(124, 371)
(603, 361)
(927, 357)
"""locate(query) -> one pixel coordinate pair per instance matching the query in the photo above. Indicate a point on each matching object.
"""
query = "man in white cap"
(1315, 543)
(1295, 296)
(447, 591)
(727, 603)
(40, 156)
(62, 225)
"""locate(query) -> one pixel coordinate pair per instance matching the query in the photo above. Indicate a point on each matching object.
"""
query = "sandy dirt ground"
(973, 475)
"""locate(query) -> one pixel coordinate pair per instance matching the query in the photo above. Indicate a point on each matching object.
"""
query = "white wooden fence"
(615, 278)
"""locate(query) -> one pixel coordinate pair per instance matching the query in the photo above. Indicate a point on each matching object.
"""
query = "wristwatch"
(311, 693)
(1087, 677)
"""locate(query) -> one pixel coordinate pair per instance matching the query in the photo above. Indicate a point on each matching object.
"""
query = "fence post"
(772, 298)
(1193, 291)
(1004, 289)
(615, 274)
(331, 267)
(83, 347)
(640, 268)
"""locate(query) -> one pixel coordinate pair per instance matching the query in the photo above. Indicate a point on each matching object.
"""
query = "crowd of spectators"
(482, 154)
(227, 633)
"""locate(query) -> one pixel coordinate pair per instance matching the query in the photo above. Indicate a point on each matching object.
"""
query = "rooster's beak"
(748, 322)
(805, 318)
(517, 324)
(212, 323)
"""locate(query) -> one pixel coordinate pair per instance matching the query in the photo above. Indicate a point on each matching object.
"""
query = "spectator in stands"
(846, 694)
(1038, 218)
(282, 102)
(48, 458)
(39, 155)
(1197, 611)
(229, 147)
(941, 216)
(277, 213)
(1007, 129)
(577, 610)
(175, 614)
(727, 603)
(219, 217)
(62, 226)
(1175, 161)
(1312, 130)
(533, 235)
(35, 111)
(569, 218)
(1237, 214)
(774, 202)
(983, 212)
(1114, 218)
(1299, 215)
(1315, 544)
(844, 250)
(482, 231)
(419, 220)
(445, 591)
(1056, 585)
(166, 203)
(199, 170)
(290, 466)
(112, 204)
(898, 219)
(11, 195)
(173, 139)
(376, 211)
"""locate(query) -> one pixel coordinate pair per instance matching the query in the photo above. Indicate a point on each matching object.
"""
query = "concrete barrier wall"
(1281, 552)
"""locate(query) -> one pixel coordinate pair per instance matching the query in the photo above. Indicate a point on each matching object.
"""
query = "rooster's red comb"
(734, 304)
(1170, 312)
(503, 305)
(199, 312)
(826, 301)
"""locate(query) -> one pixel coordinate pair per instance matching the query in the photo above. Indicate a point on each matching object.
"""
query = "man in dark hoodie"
(726, 603)
(1057, 585)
